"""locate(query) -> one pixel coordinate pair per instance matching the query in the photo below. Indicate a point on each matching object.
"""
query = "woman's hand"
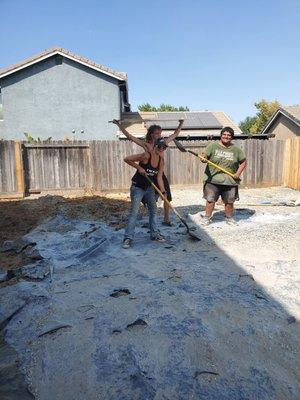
(142, 171)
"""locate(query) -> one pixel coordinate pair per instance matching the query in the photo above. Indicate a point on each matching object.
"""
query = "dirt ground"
(212, 319)
(18, 217)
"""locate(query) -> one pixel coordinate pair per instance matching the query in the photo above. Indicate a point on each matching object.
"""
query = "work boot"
(158, 237)
(206, 221)
(127, 243)
(231, 221)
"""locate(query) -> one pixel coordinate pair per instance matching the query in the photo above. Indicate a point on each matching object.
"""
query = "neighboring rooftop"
(291, 112)
(196, 123)
(65, 53)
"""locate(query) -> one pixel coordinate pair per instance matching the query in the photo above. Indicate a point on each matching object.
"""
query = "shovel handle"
(167, 201)
(213, 164)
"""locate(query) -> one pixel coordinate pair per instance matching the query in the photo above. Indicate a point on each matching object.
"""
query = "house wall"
(284, 128)
(51, 99)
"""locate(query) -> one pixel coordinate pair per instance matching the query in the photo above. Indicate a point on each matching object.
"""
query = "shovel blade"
(194, 235)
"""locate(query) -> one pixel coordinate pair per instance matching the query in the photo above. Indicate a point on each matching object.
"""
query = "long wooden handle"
(213, 164)
(167, 201)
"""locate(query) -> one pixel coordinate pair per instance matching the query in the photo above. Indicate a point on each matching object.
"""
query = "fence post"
(19, 168)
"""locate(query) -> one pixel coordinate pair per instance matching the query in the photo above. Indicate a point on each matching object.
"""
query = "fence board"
(8, 168)
(291, 175)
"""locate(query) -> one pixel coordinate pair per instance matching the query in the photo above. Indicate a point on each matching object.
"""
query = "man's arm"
(137, 141)
(241, 168)
(176, 132)
(206, 154)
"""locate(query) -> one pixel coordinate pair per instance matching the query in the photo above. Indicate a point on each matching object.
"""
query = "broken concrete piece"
(3, 276)
(121, 292)
(291, 319)
(53, 326)
(95, 250)
(198, 373)
(38, 271)
(137, 323)
(15, 297)
(33, 253)
(250, 276)
(16, 245)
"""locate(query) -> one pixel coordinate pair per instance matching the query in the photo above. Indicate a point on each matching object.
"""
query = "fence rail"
(98, 165)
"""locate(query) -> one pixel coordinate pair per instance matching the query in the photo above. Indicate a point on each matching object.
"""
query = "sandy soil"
(215, 319)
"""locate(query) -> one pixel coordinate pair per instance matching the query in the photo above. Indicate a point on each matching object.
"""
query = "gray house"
(61, 95)
(285, 123)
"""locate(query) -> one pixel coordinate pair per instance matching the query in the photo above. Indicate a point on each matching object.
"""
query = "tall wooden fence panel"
(264, 162)
(292, 164)
(56, 165)
(11, 169)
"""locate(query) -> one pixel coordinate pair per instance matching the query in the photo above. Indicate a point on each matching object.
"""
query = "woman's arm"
(176, 133)
(160, 176)
(137, 141)
(134, 159)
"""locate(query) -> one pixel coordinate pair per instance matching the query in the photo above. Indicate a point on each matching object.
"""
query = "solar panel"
(192, 120)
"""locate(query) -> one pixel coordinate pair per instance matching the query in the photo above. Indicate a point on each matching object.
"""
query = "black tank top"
(152, 172)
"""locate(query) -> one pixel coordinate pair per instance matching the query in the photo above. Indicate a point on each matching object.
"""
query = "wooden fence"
(98, 165)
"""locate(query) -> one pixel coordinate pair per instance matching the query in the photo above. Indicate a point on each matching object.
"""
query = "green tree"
(163, 107)
(30, 138)
(246, 124)
(146, 107)
(265, 111)
(254, 125)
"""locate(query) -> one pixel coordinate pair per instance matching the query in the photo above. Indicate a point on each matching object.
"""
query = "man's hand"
(203, 158)
(116, 122)
(142, 171)
(236, 177)
(181, 121)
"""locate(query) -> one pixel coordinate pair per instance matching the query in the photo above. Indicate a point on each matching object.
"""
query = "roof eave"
(70, 57)
(283, 112)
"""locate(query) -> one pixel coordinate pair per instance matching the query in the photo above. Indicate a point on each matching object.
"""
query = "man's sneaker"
(231, 221)
(158, 237)
(206, 221)
(126, 243)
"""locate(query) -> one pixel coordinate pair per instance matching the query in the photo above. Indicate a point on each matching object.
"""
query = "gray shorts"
(212, 192)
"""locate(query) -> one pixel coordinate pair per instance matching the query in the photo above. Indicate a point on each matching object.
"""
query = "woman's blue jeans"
(136, 195)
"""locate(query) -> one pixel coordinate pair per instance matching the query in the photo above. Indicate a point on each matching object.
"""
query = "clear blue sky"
(216, 54)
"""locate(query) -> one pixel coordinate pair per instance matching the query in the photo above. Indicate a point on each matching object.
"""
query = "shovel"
(184, 150)
(193, 235)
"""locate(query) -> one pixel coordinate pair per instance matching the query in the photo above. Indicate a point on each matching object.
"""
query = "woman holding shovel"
(154, 133)
(150, 168)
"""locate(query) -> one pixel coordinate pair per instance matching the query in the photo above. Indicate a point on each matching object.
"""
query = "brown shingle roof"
(294, 111)
(59, 50)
